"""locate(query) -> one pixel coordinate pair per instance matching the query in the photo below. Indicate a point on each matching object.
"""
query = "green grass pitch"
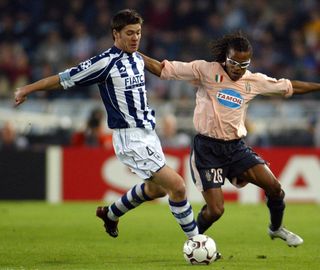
(40, 236)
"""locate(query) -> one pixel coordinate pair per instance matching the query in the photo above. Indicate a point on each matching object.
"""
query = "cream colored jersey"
(221, 104)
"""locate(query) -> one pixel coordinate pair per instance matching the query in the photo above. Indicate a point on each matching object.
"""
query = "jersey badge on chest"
(229, 98)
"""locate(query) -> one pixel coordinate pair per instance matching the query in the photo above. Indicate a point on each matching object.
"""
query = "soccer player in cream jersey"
(225, 88)
(119, 74)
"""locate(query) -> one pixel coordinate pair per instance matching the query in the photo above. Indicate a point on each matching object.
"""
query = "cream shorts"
(140, 150)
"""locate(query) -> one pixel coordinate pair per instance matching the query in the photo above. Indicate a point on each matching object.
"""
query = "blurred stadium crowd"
(39, 38)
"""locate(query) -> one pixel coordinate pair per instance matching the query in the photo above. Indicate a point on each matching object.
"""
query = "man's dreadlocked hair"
(221, 47)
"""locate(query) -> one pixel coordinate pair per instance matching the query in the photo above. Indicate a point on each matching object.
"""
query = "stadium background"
(40, 38)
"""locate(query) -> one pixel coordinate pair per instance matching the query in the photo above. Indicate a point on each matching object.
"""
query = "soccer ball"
(200, 249)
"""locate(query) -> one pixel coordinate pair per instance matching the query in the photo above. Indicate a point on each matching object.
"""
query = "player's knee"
(219, 211)
(279, 196)
(179, 189)
(274, 190)
(216, 211)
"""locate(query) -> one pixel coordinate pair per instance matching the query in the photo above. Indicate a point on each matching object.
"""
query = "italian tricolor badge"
(218, 78)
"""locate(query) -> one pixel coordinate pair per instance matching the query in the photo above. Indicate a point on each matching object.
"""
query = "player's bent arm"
(48, 83)
(300, 87)
(152, 65)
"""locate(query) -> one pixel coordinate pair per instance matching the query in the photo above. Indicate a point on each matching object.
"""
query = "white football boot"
(293, 240)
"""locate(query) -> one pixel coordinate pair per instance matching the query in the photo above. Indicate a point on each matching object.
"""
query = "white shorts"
(139, 149)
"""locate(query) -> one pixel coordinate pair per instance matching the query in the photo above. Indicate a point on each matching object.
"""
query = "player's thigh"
(169, 179)
(263, 177)
(214, 200)
(140, 150)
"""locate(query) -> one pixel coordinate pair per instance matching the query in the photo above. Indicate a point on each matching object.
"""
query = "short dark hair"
(125, 17)
(237, 41)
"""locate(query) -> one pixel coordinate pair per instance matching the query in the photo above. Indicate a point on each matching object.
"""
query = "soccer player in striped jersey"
(119, 74)
(224, 90)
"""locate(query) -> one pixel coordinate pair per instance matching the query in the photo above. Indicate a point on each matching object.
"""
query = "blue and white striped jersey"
(121, 80)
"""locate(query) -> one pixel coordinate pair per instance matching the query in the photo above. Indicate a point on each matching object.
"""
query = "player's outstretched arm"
(300, 87)
(152, 65)
(49, 83)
